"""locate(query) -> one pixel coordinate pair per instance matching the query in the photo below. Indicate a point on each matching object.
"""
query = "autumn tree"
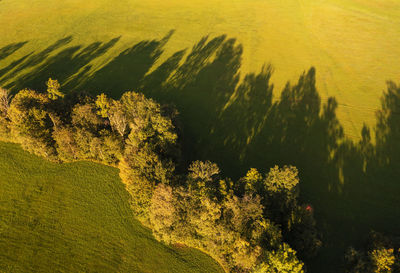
(150, 150)
(205, 213)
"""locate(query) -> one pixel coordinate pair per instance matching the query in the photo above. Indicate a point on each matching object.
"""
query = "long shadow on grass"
(126, 71)
(62, 65)
(30, 60)
(10, 49)
(232, 119)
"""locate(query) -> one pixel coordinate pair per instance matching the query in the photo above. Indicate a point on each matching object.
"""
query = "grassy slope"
(76, 218)
(352, 43)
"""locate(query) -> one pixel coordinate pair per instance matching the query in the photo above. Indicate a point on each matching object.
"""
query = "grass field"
(207, 58)
(352, 43)
(76, 218)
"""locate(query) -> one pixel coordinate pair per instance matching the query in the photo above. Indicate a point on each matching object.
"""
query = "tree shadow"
(28, 61)
(11, 66)
(126, 71)
(232, 118)
(61, 66)
(10, 49)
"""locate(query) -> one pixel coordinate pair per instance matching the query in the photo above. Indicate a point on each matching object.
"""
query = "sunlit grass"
(353, 44)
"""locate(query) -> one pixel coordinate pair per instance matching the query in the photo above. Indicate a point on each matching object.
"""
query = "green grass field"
(352, 43)
(207, 59)
(76, 218)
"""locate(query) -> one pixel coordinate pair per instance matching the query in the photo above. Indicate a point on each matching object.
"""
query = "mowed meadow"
(224, 64)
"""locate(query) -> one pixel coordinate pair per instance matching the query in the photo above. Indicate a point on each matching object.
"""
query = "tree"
(382, 259)
(252, 183)
(141, 169)
(31, 122)
(118, 119)
(203, 177)
(281, 192)
(203, 171)
(244, 218)
(103, 104)
(282, 180)
(356, 261)
(380, 255)
(107, 148)
(85, 117)
(150, 148)
(53, 89)
(149, 124)
(66, 146)
(301, 232)
(162, 213)
(283, 260)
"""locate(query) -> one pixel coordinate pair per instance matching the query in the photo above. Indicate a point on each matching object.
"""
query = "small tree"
(103, 104)
(282, 179)
(283, 260)
(382, 259)
(281, 190)
(53, 89)
(250, 184)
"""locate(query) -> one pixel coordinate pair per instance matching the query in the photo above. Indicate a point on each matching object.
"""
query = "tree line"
(254, 224)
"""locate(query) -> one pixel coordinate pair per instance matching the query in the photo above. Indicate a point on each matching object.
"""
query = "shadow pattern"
(10, 49)
(234, 120)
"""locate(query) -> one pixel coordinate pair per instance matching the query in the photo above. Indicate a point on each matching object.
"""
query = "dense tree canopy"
(247, 225)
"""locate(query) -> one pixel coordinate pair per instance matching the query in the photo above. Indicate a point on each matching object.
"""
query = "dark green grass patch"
(76, 218)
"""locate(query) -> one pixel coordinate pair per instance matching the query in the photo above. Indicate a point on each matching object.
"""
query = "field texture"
(210, 59)
(353, 44)
(76, 218)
